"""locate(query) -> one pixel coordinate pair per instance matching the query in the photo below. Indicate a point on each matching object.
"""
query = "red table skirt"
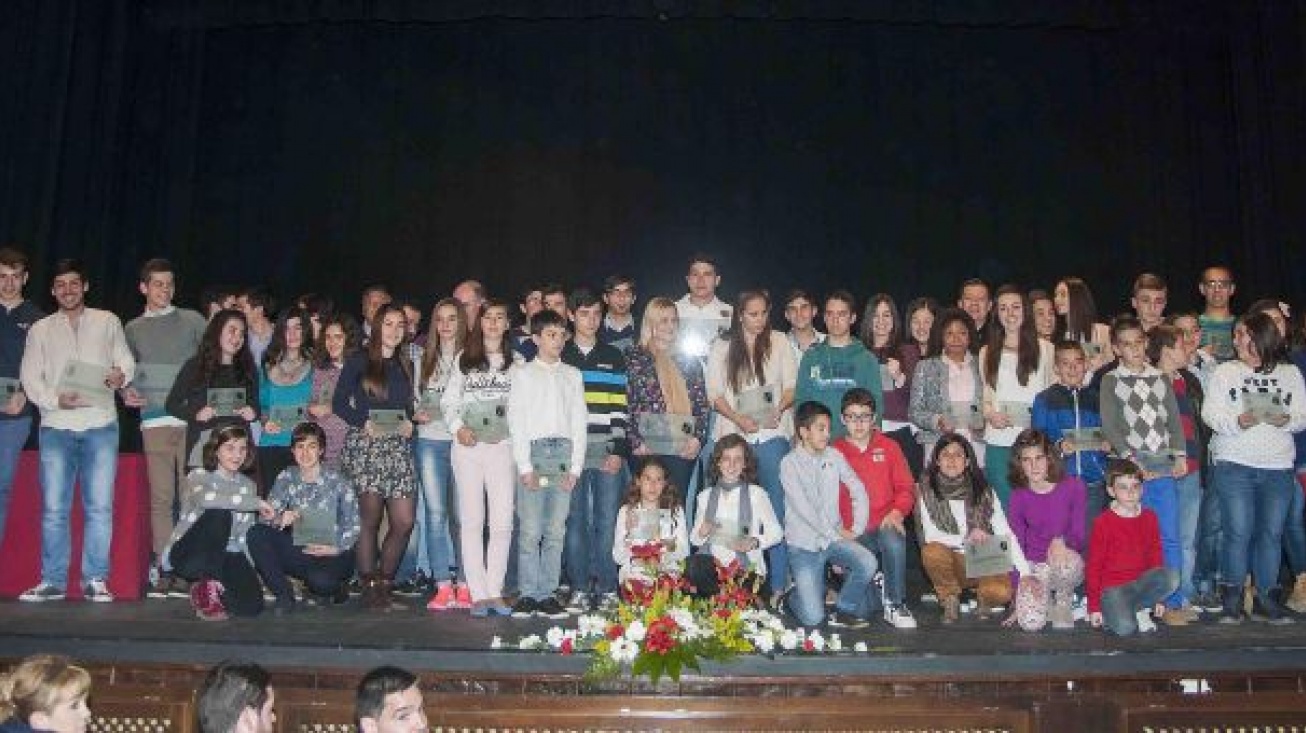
(129, 554)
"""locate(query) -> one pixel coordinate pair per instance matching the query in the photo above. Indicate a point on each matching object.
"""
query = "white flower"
(788, 639)
(683, 618)
(860, 647)
(530, 642)
(496, 643)
(623, 651)
(591, 625)
(835, 643)
(555, 636)
(818, 641)
(636, 631)
(764, 642)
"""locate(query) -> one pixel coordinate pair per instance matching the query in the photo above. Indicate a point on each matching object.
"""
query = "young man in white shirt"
(79, 430)
(703, 316)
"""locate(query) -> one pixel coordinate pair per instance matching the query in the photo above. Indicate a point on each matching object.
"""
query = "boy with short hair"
(814, 531)
(800, 312)
(618, 326)
(598, 494)
(703, 316)
(1125, 579)
(1068, 405)
(891, 492)
(1141, 421)
(1150, 294)
(841, 362)
(547, 420)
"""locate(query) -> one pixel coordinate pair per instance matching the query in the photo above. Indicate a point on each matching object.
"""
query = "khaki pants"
(165, 464)
(947, 571)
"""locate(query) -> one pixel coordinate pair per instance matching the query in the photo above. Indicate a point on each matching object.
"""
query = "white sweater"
(478, 386)
(1262, 445)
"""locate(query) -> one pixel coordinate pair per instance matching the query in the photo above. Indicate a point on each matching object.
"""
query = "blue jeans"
(891, 548)
(1210, 539)
(1294, 532)
(1161, 495)
(13, 434)
(591, 522)
(88, 458)
(1121, 602)
(439, 507)
(1190, 509)
(1254, 502)
(541, 533)
(808, 570)
(769, 454)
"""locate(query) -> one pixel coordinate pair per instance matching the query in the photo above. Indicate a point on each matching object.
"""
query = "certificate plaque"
(550, 460)
(1020, 413)
(648, 524)
(488, 420)
(597, 450)
(428, 401)
(666, 434)
(965, 415)
(87, 381)
(153, 382)
(727, 533)
(227, 401)
(315, 526)
(1152, 462)
(1084, 439)
(758, 403)
(387, 422)
(1264, 406)
(288, 416)
(991, 557)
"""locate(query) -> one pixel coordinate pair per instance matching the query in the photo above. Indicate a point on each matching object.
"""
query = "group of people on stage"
(49, 693)
(1041, 458)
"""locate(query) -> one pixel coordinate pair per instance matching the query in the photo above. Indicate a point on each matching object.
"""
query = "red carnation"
(566, 646)
(808, 646)
(615, 631)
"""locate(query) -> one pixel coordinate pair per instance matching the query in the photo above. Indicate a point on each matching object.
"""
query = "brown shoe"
(379, 597)
(951, 609)
(1174, 617)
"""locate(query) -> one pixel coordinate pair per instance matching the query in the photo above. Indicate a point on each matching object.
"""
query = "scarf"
(745, 513)
(959, 489)
(675, 392)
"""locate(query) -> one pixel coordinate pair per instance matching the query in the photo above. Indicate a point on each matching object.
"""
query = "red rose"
(566, 647)
(808, 646)
(615, 631)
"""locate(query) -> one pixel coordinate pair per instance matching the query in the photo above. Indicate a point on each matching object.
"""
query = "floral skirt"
(382, 465)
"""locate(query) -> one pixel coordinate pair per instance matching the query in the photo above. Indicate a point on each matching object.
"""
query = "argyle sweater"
(1139, 413)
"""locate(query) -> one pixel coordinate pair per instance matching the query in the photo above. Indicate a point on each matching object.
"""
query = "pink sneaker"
(442, 599)
(462, 598)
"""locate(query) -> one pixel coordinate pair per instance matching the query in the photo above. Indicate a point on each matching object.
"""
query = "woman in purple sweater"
(1047, 517)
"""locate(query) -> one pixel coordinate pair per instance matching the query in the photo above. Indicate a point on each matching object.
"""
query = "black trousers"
(201, 554)
(277, 558)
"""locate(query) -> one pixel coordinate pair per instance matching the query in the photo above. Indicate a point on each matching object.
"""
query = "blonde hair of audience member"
(48, 693)
(658, 313)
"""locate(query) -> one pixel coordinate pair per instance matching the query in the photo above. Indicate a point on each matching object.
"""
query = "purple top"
(1037, 519)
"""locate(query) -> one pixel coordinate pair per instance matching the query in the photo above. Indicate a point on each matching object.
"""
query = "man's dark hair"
(551, 288)
(703, 258)
(582, 298)
(612, 282)
(69, 265)
(546, 318)
(259, 296)
(215, 295)
(10, 257)
(843, 296)
(228, 689)
(152, 266)
(369, 698)
(858, 396)
(807, 413)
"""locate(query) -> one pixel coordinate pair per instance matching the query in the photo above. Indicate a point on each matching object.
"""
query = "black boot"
(1265, 607)
(1232, 598)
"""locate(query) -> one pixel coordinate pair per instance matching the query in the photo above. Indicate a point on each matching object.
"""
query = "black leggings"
(201, 554)
(401, 512)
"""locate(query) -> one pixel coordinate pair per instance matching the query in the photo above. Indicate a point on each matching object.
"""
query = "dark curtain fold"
(876, 146)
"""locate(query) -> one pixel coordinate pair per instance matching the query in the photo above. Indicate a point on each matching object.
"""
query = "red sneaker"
(442, 599)
(462, 597)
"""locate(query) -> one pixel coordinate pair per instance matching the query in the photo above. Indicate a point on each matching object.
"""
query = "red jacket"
(884, 471)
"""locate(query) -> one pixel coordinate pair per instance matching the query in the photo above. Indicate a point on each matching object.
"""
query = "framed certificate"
(1264, 406)
(387, 422)
(488, 419)
(227, 401)
(648, 524)
(551, 460)
(666, 434)
(288, 416)
(1021, 414)
(1084, 439)
(9, 387)
(153, 382)
(1154, 462)
(758, 403)
(597, 450)
(991, 557)
(1092, 349)
(965, 415)
(428, 401)
(727, 532)
(87, 381)
(316, 526)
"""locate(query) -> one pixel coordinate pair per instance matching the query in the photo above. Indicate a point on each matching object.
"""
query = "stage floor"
(348, 637)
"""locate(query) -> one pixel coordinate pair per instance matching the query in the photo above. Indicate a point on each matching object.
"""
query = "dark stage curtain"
(897, 146)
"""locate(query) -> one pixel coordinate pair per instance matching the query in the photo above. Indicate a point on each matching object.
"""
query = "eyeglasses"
(1218, 284)
(858, 417)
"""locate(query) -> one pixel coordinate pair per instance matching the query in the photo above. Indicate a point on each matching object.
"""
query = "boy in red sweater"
(1126, 579)
(879, 463)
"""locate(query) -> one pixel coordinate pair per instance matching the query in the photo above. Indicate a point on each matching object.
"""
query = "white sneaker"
(1079, 609)
(42, 592)
(899, 616)
(97, 591)
(579, 603)
(1145, 623)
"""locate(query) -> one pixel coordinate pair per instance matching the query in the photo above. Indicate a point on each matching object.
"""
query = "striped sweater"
(603, 371)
